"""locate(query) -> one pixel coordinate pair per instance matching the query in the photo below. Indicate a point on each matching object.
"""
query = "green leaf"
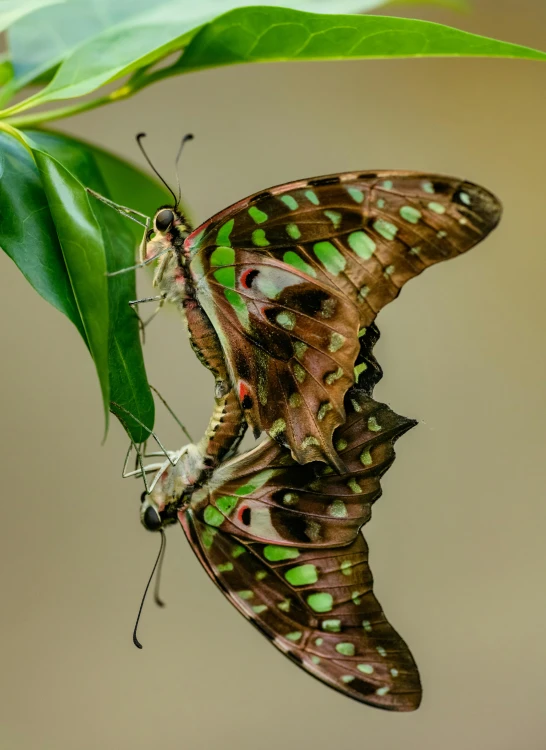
(113, 178)
(12, 11)
(267, 34)
(39, 42)
(81, 243)
(31, 238)
(147, 37)
(28, 233)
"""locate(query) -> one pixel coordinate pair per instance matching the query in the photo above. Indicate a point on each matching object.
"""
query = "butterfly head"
(172, 490)
(170, 229)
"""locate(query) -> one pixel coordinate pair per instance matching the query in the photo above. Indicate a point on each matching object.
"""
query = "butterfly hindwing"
(288, 276)
(317, 607)
(266, 496)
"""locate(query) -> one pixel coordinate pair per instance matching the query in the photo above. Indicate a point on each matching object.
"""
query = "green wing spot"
(366, 458)
(278, 426)
(258, 481)
(319, 641)
(346, 678)
(428, 187)
(356, 194)
(437, 207)
(365, 668)
(353, 485)
(385, 229)
(289, 201)
(338, 509)
(323, 410)
(382, 690)
(355, 596)
(258, 609)
(346, 568)
(207, 537)
(381, 651)
(300, 348)
(294, 260)
(286, 319)
(226, 504)
(295, 636)
(225, 567)
(284, 606)
(295, 400)
(331, 626)
(260, 575)
(302, 575)
(315, 659)
(256, 215)
(362, 244)
(238, 304)
(237, 551)
(359, 369)
(366, 624)
(293, 231)
(387, 184)
(373, 426)
(341, 444)
(222, 256)
(363, 291)
(290, 498)
(299, 373)
(380, 203)
(331, 378)
(345, 649)
(335, 218)
(312, 197)
(465, 198)
(410, 214)
(275, 553)
(225, 276)
(246, 594)
(259, 239)
(222, 238)
(321, 602)
(336, 342)
(212, 516)
(330, 257)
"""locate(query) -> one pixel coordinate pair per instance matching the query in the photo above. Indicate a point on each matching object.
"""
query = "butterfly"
(283, 543)
(277, 288)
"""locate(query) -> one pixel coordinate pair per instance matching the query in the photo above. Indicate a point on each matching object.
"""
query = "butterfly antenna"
(139, 138)
(137, 643)
(157, 599)
(185, 139)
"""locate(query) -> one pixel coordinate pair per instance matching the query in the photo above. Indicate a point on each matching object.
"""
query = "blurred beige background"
(457, 541)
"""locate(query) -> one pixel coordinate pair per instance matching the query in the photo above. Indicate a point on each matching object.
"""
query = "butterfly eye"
(151, 519)
(164, 219)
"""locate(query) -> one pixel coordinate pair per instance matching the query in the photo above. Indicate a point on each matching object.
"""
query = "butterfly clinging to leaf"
(283, 544)
(277, 288)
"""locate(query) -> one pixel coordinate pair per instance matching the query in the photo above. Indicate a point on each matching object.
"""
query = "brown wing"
(266, 496)
(318, 608)
(270, 269)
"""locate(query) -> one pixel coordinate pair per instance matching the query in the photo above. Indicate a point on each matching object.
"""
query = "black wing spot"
(260, 196)
(324, 181)
(245, 516)
(247, 402)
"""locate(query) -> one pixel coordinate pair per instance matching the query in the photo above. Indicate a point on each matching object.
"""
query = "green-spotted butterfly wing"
(288, 276)
(283, 543)
(266, 496)
(327, 620)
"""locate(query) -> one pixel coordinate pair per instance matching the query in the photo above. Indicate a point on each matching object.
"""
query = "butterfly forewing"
(266, 496)
(316, 606)
(288, 277)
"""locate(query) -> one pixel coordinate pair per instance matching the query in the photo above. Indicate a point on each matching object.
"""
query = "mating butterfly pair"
(280, 292)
